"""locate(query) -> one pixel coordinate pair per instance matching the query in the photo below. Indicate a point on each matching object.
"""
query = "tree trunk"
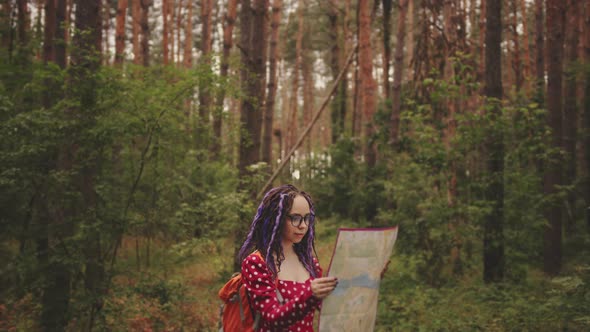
(188, 36)
(387, 45)
(527, 46)
(85, 61)
(516, 62)
(570, 111)
(552, 252)
(229, 22)
(106, 25)
(120, 32)
(178, 29)
(204, 94)
(136, 27)
(539, 54)
(482, 36)
(56, 282)
(586, 122)
(23, 23)
(293, 122)
(269, 108)
(368, 86)
(398, 73)
(145, 32)
(410, 41)
(306, 73)
(493, 254)
(338, 33)
(165, 31)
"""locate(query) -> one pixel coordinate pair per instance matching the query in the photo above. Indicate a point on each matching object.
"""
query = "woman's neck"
(288, 249)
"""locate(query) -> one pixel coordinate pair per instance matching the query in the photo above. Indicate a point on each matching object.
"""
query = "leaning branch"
(309, 126)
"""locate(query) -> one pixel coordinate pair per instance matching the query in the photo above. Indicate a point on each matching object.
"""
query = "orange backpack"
(236, 313)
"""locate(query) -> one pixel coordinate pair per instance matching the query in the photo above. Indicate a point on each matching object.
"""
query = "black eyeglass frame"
(296, 219)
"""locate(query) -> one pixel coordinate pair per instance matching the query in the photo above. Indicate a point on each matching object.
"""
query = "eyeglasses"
(297, 219)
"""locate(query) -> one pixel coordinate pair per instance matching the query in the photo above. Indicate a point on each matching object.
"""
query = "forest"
(138, 136)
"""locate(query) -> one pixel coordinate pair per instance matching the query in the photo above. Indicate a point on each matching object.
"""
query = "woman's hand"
(322, 287)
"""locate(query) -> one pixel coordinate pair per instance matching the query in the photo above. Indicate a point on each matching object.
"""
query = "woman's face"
(293, 233)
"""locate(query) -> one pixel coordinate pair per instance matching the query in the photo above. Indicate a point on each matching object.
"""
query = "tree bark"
(23, 22)
(552, 246)
(570, 111)
(269, 108)
(368, 86)
(120, 32)
(482, 36)
(387, 45)
(106, 25)
(166, 31)
(586, 117)
(493, 254)
(145, 32)
(539, 53)
(398, 73)
(527, 46)
(204, 94)
(229, 22)
(293, 122)
(136, 27)
(85, 61)
(516, 61)
(188, 36)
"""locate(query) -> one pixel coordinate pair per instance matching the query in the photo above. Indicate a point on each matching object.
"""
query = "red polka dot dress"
(296, 311)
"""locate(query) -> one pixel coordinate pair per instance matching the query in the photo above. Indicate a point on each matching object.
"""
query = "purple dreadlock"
(265, 230)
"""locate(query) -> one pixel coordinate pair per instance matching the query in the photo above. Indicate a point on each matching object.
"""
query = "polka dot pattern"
(297, 310)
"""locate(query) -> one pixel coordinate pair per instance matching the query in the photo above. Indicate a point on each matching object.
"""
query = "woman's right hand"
(322, 287)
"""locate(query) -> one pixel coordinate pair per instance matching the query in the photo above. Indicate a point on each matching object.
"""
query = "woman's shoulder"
(255, 259)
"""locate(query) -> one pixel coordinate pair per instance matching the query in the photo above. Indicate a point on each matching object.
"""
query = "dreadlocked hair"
(265, 231)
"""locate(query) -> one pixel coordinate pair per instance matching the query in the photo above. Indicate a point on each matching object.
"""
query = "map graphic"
(359, 257)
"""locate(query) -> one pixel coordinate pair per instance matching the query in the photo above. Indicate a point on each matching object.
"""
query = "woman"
(283, 278)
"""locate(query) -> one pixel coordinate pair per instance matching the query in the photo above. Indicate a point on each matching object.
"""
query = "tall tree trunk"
(269, 108)
(166, 31)
(539, 53)
(85, 61)
(23, 22)
(552, 252)
(398, 73)
(570, 111)
(178, 29)
(527, 46)
(482, 36)
(493, 254)
(368, 86)
(387, 46)
(188, 36)
(136, 28)
(293, 123)
(586, 117)
(338, 36)
(204, 94)
(229, 22)
(410, 41)
(145, 32)
(106, 25)
(120, 32)
(6, 27)
(171, 9)
(516, 62)
(56, 285)
(251, 77)
(306, 73)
